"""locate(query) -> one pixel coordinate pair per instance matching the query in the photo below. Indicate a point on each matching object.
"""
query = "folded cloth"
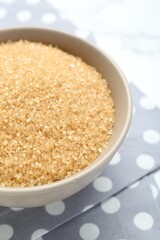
(129, 215)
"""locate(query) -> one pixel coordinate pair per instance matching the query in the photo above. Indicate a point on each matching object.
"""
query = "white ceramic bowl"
(41, 195)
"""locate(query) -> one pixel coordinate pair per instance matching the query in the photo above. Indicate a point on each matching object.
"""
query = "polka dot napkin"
(123, 202)
(127, 215)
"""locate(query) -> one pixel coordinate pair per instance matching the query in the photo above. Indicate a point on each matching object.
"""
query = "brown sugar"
(56, 114)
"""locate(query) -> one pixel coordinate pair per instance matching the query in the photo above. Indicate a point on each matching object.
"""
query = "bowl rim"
(74, 178)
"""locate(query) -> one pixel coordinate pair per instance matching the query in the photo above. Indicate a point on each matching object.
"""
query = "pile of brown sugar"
(56, 114)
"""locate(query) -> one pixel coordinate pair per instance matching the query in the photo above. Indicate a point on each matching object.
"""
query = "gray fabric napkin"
(129, 215)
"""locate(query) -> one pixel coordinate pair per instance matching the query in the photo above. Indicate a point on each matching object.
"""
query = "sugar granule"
(57, 114)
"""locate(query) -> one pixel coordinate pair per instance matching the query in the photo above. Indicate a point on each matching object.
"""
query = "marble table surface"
(128, 30)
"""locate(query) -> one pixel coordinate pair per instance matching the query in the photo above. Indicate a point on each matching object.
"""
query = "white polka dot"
(24, 16)
(102, 184)
(3, 13)
(32, 2)
(143, 221)
(111, 206)
(145, 161)
(56, 208)
(87, 208)
(116, 159)
(17, 209)
(6, 232)
(134, 184)
(89, 231)
(9, 1)
(38, 233)
(154, 191)
(151, 136)
(48, 18)
(146, 103)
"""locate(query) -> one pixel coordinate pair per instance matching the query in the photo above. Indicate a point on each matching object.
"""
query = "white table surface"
(129, 30)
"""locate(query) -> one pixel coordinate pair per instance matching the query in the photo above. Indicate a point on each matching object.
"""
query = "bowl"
(41, 195)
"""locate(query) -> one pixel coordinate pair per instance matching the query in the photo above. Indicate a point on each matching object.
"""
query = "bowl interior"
(103, 63)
